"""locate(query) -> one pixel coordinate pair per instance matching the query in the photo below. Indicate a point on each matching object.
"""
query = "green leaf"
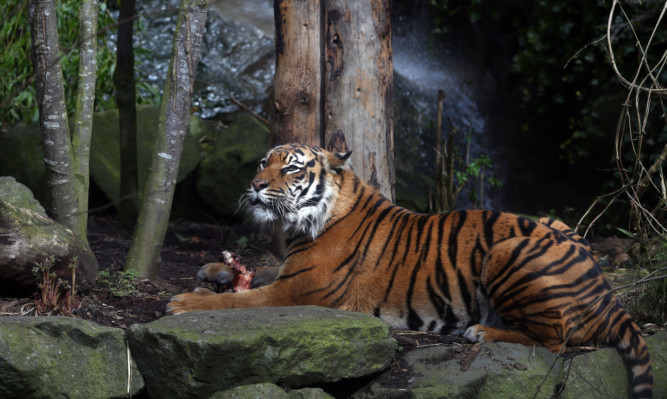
(626, 232)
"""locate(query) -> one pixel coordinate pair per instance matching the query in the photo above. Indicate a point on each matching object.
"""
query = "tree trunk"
(85, 103)
(127, 113)
(297, 88)
(334, 81)
(66, 189)
(29, 238)
(358, 85)
(173, 123)
(53, 114)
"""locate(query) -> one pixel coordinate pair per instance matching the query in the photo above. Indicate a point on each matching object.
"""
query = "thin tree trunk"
(68, 194)
(85, 102)
(127, 113)
(53, 113)
(297, 95)
(440, 161)
(174, 119)
(358, 87)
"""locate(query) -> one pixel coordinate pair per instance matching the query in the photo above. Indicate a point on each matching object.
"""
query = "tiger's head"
(295, 185)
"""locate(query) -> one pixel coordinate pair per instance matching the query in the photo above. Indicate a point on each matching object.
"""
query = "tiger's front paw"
(188, 302)
(475, 333)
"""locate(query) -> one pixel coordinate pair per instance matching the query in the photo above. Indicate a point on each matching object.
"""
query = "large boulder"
(273, 391)
(63, 357)
(29, 238)
(22, 156)
(18, 195)
(601, 374)
(503, 370)
(196, 354)
(227, 170)
(105, 148)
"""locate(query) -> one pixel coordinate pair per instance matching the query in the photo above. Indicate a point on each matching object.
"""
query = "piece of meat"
(243, 274)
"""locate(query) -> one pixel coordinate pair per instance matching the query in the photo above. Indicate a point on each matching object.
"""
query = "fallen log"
(27, 239)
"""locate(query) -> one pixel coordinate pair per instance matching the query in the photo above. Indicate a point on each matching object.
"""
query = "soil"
(121, 299)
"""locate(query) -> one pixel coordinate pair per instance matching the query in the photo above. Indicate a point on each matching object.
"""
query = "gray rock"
(64, 357)
(22, 156)
(272, 391)
(496, 370)
(601, 374)
(29, 239)
(502, 370)
(227, 170)
(18, 194)
(105, 150)
(196, 354)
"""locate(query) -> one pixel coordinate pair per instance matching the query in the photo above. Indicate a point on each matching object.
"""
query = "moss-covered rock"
(502, 370)
(19, 195)
(63, 357)
(196, 354)
(105, 148)
(272, 391)
(226, 171)
(602, 374)
(29, 238)
(22, 156)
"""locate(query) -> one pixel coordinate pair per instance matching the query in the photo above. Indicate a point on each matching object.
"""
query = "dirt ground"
(120, 299)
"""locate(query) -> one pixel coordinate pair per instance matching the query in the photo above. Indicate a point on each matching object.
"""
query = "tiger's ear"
(338, 161)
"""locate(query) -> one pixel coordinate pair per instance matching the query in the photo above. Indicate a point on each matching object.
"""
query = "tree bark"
(297, 95)
(334, 81)
(67, 190)
(174, 120)
(53, 114)
(358, 86)
(127, 113)
(28, 238)
(83, 116)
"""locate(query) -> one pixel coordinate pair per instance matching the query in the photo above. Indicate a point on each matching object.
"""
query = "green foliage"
(455, 172)
(472, 172)
(561, 64)
(120, 283)
(17, 92)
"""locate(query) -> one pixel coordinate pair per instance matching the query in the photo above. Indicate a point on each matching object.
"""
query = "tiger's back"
(490, 275)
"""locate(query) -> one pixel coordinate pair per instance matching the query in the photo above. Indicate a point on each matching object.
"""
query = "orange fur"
(490, 275)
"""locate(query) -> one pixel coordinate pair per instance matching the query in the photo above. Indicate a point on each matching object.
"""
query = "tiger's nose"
(259, 184)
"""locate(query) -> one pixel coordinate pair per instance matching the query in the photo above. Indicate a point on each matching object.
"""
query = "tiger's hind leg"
(538, 288)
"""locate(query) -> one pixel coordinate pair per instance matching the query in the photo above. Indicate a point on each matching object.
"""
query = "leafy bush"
(17, 92)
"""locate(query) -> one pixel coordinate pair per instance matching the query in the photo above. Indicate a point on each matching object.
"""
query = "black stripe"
(465, 294)
(498, 282)
(526, 226)
(490, 218)
(437, 301)
(288, 276)
(405, 221)
(453, 237)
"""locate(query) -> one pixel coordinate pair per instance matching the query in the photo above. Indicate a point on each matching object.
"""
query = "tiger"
(488, 275)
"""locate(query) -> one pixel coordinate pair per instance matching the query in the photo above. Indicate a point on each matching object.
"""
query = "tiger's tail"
(632, 346)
